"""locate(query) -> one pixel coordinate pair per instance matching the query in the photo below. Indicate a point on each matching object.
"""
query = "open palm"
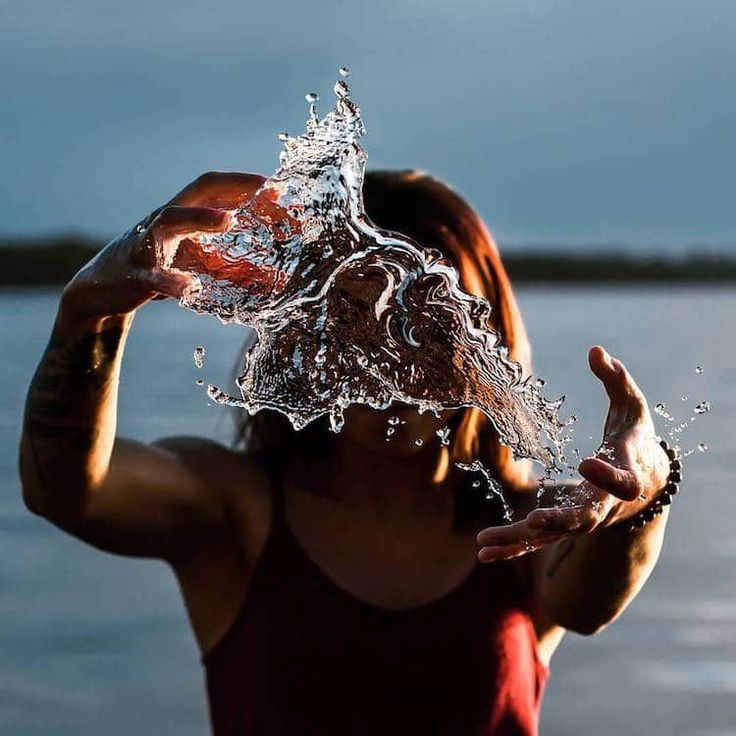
(622, 479)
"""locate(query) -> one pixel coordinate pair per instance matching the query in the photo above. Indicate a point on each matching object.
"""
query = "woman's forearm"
(70, 413)
(590, 579)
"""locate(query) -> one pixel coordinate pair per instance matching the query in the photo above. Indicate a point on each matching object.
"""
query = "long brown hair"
(435, 216)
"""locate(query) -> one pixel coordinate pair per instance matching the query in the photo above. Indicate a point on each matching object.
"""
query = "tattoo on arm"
(70, 379)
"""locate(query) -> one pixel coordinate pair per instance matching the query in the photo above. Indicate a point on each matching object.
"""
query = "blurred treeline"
(54, 260)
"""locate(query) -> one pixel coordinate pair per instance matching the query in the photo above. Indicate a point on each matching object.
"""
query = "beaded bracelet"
(672, 487)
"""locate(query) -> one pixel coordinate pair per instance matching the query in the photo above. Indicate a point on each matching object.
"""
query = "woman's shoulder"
(245, 482)
(212, 458)
(230, 471)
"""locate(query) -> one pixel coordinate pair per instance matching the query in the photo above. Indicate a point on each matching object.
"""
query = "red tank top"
(306, 657)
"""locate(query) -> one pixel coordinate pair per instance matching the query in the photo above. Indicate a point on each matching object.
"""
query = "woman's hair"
(432, 214)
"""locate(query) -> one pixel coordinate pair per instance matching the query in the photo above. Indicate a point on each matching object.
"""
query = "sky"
(564, 122)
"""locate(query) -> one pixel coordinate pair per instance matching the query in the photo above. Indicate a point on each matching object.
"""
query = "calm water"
(91, 644)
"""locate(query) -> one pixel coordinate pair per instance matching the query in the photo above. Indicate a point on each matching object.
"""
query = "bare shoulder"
(242, 483)
(212, 460)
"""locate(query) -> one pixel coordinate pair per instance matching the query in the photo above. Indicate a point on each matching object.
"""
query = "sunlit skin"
(377, 516)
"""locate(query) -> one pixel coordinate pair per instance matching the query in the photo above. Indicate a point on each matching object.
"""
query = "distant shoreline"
(53, 261)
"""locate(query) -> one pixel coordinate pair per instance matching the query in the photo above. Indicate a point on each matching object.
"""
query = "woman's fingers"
(175, 220)
(175, 223)
(173, 285)
(534, 542)
(621, 482)
(498, 535)
(571, 519)
(494, 554)
(543, 527)
(614, 376)
(529, 530)
(223, 190)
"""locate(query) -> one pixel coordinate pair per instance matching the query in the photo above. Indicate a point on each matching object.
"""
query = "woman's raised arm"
(123, 496)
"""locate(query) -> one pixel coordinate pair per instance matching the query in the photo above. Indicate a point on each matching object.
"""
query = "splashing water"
(492, 486)
(678, 428)
(346, 313)
(444, 436)
(198, 356)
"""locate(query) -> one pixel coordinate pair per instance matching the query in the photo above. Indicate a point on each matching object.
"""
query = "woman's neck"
(379, 482)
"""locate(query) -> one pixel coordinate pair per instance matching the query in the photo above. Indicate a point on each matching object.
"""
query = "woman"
(333, 581)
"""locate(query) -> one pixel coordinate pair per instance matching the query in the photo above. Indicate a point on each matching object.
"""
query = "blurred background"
(597, 140)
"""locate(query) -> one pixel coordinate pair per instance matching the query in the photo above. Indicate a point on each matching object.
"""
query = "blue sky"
(566, 121)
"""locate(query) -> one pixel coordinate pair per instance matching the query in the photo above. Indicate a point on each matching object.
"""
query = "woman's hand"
(627, 473)
(126, 273)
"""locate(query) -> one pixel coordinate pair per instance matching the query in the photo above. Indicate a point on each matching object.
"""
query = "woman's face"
(398, 430)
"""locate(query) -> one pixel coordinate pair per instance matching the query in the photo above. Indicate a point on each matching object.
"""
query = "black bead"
(638, 521)
(671, 453)
(665, 500)
(675, 465)
(675, 476)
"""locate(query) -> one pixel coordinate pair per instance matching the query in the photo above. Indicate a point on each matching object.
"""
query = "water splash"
(346, 313)
(492, 487)
(444, 436)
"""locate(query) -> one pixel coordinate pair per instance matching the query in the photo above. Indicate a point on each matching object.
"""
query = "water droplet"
(283, 137)
(684, 397)
(393, 421)
(702, 447)
(221, 397)
(198, 356)
(418, 441)
(573, 418)
(140, 228)
(476, 484)
(444, 435)
(702, 407)
(311, 97)
(344, 71)
(540, 383)
(699, 370)
(200, 382)
(661, 409)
